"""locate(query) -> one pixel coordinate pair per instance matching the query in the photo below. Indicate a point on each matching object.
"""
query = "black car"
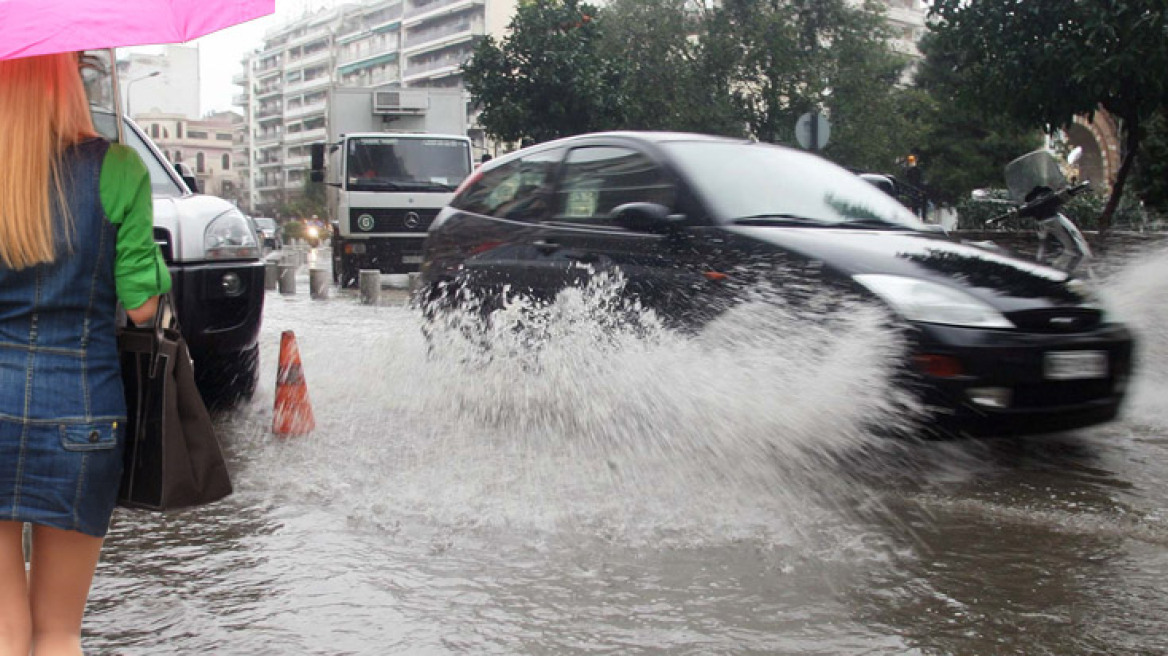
(1000, 345)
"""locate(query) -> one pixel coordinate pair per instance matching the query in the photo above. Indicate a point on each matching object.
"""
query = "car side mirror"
(645, 217)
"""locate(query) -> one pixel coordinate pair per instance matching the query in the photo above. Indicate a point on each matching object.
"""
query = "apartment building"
(203, 147)
(907, 20)
(286, 82)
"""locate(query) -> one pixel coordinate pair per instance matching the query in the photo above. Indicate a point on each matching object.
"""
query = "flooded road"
(620, 489)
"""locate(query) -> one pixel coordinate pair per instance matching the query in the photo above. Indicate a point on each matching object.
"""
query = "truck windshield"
(407, 164)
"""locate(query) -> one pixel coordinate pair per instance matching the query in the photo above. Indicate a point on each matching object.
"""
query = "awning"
(368, 62)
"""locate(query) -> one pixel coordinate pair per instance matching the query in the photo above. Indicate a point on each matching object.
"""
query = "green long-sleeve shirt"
(139, 270)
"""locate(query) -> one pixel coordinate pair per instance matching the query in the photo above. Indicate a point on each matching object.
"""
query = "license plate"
(1075, 365)
(411, 259)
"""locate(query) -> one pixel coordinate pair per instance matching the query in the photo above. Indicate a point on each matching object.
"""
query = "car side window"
(518, 190)
(598, 178)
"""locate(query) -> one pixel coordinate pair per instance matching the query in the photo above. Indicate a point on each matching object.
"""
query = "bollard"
(287, 278)
(318, 283)
(369, 284)
(271, 274)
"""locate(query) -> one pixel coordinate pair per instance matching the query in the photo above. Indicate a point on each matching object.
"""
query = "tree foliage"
(669, 78)
(1046, 61)
(961, 147)
(1151, 176)
(548, 78)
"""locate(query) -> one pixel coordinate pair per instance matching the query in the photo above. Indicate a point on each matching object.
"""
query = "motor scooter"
(1039, 189)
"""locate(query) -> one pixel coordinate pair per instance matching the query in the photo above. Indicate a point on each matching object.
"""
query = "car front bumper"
(1000, 385)
(218, 318)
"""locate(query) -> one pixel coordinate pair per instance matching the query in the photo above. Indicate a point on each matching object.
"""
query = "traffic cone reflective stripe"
(293, 412)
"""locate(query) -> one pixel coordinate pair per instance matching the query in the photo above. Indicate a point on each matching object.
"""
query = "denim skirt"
(61, 474)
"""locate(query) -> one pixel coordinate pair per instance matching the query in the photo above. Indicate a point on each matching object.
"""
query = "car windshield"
(753, 183)
(407, 164)
(266, 224)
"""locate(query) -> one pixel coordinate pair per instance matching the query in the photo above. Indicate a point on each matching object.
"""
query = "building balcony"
(461, 37)
(416, 15)
(268, 137)
(367, 61)
(304, 86)
(305, 136)
(240, 100)
(318, 57)
(902, 16)
(442, 35)
(305, 110)
(431, 72)
(298, 162)
(239, 79)
(269, 91)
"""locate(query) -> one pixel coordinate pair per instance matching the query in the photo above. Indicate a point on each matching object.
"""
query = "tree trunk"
(1131, 145)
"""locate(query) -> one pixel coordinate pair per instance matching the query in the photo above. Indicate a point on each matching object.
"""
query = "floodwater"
(615, 488)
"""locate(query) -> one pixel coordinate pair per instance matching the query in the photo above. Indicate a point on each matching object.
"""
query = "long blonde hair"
(43, 111)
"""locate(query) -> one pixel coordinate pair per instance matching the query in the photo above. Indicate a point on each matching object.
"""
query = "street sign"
(812, 131)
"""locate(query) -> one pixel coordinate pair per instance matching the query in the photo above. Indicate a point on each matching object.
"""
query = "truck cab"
(384, 190)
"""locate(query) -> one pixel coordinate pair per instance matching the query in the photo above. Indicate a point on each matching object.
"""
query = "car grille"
(162, 238)
(392, 220)
(1057, 320)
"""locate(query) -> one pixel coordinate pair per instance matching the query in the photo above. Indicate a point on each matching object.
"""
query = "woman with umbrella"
(76, 237)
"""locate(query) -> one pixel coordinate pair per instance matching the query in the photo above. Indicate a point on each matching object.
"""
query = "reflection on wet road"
(671, 495)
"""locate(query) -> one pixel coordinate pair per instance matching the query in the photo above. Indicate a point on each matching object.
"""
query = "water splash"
(1137, 293)
(587, 414)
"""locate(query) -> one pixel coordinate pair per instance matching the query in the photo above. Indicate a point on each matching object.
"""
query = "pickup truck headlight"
(921, 300)
(229, 237)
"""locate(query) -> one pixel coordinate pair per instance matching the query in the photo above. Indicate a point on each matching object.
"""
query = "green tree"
(671, 77)
(798, 56)
(1151, 175)
(548, 78)
(1046, 61)
(961, 147)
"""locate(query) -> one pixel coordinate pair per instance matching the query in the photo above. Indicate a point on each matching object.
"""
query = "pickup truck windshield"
(406, 164)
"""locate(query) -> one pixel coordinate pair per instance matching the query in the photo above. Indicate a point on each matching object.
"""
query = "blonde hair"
(43, 111)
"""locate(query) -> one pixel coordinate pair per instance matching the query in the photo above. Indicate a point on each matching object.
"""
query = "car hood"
(1006, 283)
(185, 218)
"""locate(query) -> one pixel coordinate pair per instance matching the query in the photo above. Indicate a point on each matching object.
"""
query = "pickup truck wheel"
(228, 380)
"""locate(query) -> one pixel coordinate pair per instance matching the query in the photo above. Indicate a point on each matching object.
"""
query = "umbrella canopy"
(41, 27)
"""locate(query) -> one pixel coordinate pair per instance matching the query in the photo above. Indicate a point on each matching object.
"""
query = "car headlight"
(313, 232)
(921, 300)
(229, 237)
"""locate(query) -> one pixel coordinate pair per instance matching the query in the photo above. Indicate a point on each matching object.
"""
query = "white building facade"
(167, 82)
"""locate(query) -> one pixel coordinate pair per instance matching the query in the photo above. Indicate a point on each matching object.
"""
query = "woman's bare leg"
(62, 569)
(15, 622)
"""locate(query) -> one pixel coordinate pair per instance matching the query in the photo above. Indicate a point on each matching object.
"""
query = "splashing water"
(587, 412)
(1138, 294)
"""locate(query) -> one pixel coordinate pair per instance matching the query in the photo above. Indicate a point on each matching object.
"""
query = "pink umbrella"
(39, 27)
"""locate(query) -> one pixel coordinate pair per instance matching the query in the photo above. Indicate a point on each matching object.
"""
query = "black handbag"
(172, 458)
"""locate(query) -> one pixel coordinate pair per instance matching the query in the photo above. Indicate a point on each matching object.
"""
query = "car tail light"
(938, 366)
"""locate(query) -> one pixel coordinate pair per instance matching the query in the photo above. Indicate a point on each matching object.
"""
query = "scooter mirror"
(1075, 155)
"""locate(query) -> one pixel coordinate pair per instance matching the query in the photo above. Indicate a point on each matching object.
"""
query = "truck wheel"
(228, 380)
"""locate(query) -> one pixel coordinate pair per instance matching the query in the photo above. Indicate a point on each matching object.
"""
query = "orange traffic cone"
(293, 412)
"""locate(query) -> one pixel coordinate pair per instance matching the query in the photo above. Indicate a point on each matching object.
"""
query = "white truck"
(394, 159)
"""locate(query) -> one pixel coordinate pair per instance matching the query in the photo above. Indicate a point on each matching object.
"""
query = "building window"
(226, 162)
(177, 156)
(178, 130)
(154, 130)
(200, 163)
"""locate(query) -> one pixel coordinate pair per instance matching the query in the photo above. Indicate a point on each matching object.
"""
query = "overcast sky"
(219, 53)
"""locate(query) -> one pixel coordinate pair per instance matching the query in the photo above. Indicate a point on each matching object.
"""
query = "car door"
(579, 239)
(495, 222)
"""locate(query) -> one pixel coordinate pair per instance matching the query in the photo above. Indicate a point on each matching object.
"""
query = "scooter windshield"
(1031, 171)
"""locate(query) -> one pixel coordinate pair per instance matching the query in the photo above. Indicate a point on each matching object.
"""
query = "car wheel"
(227, 380)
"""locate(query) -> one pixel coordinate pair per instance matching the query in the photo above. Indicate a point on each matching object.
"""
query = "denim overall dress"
(62, 408)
